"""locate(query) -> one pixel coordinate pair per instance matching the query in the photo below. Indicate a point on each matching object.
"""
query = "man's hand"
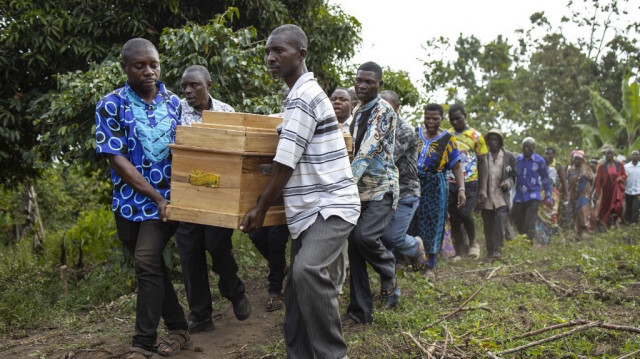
(462, 199)
(162, 210)
(548, 201)
(252, 220)
(482, 196)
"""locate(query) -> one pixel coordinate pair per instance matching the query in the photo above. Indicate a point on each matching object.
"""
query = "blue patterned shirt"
(373, 166)
(532, 173)
(141, 132)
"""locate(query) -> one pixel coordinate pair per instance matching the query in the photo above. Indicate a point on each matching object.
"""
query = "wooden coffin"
(221, 166)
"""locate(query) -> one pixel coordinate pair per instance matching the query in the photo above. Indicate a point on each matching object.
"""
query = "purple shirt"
(532, 172)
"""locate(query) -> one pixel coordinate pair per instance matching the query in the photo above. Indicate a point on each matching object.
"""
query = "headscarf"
(578, 153)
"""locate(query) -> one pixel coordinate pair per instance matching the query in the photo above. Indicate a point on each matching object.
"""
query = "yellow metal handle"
(199, 178)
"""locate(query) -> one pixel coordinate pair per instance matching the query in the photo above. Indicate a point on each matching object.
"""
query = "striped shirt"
(312, 143)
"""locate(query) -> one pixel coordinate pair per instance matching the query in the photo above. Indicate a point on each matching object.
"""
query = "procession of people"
(388, 204)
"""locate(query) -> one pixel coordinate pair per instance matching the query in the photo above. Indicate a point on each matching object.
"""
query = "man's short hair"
(134, 45)
(199, 69)
(392, 94)
(456, 107)
(373, 67)
(530, 140)
(342, 89)
(294, 34)
(550, 149)
(434, 107)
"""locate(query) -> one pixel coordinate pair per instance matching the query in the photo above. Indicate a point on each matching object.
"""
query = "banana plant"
(618, 128)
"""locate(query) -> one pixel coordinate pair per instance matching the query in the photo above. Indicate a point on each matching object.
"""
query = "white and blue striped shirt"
(312, 143)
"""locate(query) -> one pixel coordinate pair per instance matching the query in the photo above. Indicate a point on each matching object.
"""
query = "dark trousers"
(632, 207)
(312, 327)
(193, 241)
(156, 298)
(495, 223)
(462, 217)
(365, 245)
(524, 216)
(271, 242)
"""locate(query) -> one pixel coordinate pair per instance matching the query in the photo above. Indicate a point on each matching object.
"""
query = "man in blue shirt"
(532, 173)
(134, 126)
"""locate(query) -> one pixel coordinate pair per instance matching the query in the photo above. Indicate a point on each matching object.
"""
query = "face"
(341, 102)
(577, 161)
(549, 154)
(609, 155)
(635, 156)
(457, 120)
(143, 70)
(432, 121)
(528, 148)
(494, 143)
(367, 85)
(283, 58)
(196, 90)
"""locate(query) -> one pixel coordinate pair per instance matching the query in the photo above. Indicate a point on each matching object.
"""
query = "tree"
(49, 46)
(620, 129)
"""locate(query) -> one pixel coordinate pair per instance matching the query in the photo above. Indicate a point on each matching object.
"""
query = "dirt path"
(230, 339)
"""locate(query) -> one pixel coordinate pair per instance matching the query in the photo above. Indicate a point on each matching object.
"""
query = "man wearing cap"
(501, 178)
(532, 174)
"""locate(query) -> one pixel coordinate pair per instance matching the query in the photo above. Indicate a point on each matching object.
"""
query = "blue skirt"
(430, 217)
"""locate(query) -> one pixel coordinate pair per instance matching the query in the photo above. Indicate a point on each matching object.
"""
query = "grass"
(531, 288)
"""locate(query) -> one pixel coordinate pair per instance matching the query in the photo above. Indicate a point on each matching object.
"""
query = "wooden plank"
(240, 119)
(223, 200)
(229, 167)
(210, 138)
(274, 216)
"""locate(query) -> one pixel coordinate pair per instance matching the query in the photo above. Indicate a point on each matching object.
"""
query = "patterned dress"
(436, 156)
(580, 184)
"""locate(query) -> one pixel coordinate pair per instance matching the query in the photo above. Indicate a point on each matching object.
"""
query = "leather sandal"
(138, 353)
(388, 286)
(174, 342)
(274, 303)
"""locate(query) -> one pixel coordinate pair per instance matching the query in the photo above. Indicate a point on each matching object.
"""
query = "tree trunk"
(34, 215)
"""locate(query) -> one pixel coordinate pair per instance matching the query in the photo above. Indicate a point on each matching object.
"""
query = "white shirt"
(346, 124)
(632, 184)
(190, 115)
(312, 144)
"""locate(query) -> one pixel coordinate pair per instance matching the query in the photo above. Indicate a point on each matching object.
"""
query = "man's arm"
(280, 175)
(127, 171)
(543, 172)
(483, 177)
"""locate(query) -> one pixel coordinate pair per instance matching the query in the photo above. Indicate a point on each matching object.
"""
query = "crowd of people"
(390, 203)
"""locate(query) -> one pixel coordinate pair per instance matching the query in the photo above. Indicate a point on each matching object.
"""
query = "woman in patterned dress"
(438, 153)
(580, 179)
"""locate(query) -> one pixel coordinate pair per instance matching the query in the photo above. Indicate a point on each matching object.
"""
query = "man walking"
(311, 170)
(502, 176)
(473, 150)
(632, 188)
(532, 174)
(195, 240)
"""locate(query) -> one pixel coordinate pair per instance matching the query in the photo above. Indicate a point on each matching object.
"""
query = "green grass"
(596, 280)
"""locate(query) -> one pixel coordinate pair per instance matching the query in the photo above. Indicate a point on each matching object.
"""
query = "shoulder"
(170, 97)
(116, 95)
(218, 105)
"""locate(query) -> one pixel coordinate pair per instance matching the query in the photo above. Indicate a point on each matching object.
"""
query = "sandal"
(138, 353)
(419, 261)
(388, 286)
(274, 303)
(172, 344)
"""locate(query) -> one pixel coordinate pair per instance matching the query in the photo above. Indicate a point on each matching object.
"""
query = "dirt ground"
(230, 339)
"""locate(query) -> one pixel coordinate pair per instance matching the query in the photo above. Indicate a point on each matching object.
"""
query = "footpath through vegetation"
(564, 300)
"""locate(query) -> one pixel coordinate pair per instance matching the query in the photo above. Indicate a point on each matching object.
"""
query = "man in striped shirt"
(312, 171)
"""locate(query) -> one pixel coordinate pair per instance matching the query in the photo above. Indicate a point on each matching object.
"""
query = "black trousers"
(271, 242)
(462, 217)
(366, 246)
(495, 224)
(524, 216)
(632, 207)
(193, 241)
(156, 298)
